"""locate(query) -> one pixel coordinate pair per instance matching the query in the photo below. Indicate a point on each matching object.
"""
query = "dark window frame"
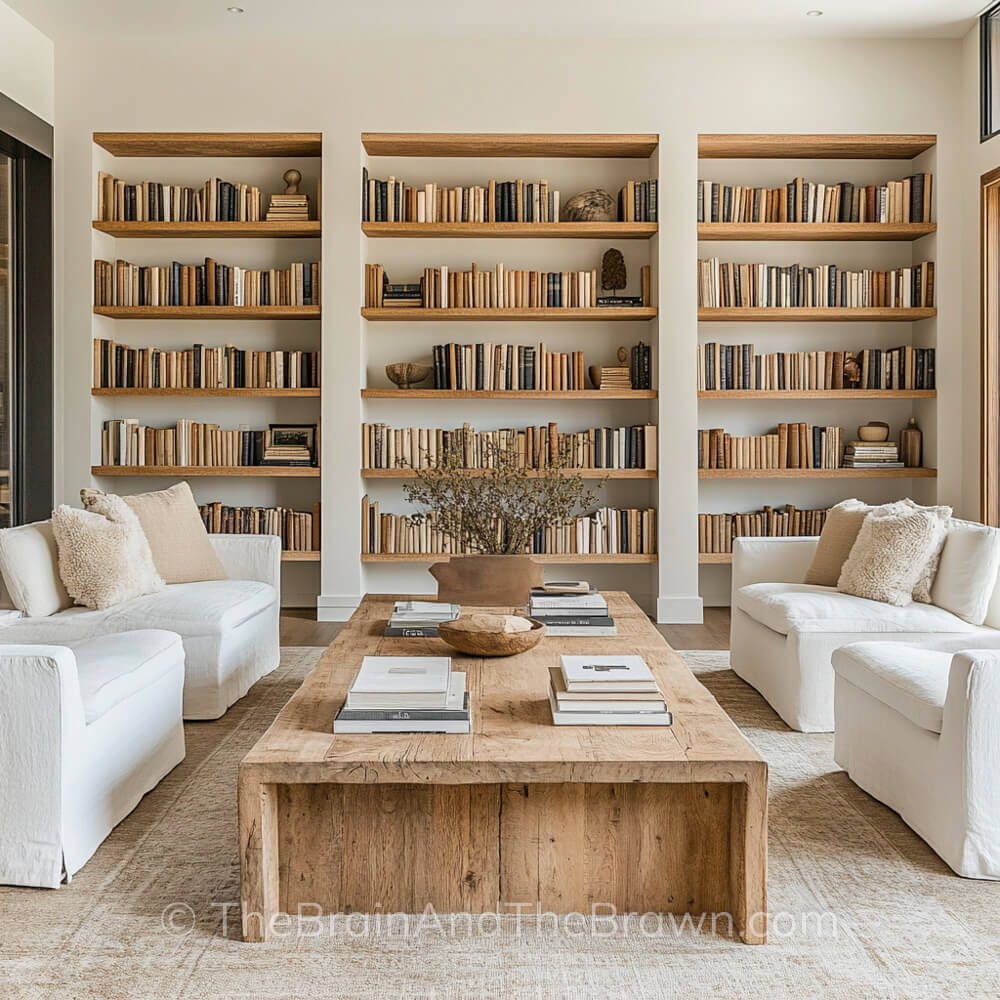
(986, 109)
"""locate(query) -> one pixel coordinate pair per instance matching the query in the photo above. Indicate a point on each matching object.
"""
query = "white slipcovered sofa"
(784, 632)
(919, 729)
(86, 729)
(229, 627)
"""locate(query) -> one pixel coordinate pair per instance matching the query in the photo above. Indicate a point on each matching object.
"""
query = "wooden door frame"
(989, 359)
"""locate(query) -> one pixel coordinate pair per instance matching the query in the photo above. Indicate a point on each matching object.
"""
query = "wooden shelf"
(395, 315)
(520, 230)
(872, 231)
(817, 473)
(245, 393)
(283, 144)
(514, 144)
(715, 558)
(568, 559)
(533, 473)
(813, 146)
(208, 312)
(183, 471)
(300, 556)
(831, 314)
(205, 230)
(817, 393)
(575, 394)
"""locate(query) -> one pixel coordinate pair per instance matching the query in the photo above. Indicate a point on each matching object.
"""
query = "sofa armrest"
(771, 560)
(41, 727)
(250, 557)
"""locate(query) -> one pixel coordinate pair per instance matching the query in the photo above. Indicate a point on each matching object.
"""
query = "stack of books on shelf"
(298, 529)
(615, 378)
(791, 446)
(637, 202)
(733, 285)
(872, 455)
(119, 366)
(717, 531)
(736, 366)
(393, 200)
(606, 691)
(570, 608)
(215, 201)
(416, 619)
(506, 368)
(609, 530)
(401, 296)
(288, 208)
(906, 200)
(385, 447)
(406, 694)
(208, 284)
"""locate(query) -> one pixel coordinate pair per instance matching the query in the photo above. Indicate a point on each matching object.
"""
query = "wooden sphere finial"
(292, 179)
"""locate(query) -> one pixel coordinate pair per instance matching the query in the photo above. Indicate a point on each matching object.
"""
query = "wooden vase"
(487, 581)
(911, 444)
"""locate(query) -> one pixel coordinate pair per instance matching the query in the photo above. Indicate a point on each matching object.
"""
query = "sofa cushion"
(112, 668)
(840, 529)
(805, 608)
(210, 607)
(29, 562)
(911, 680)
(967, 571)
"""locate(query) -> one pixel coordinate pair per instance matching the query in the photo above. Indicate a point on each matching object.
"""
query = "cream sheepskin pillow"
(894, 545)
(922, 588)
(104, 558)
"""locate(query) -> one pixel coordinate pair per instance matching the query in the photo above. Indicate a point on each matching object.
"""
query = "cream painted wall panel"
(27, 73)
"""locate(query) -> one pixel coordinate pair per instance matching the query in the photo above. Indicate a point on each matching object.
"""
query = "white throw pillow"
(104, 558)
(29, 562)
(922, 588)
(893, 546)
(967, 571)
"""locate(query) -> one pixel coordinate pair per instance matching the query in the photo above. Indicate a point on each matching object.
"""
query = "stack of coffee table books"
(606, 691)
(414, 619)
(571, 608)
(406, 694)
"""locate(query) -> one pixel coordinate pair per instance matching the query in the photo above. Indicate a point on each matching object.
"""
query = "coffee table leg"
(258, 810)
(748, 858)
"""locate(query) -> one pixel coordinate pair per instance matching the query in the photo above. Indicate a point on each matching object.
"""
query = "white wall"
(27, 73)
(648, 85)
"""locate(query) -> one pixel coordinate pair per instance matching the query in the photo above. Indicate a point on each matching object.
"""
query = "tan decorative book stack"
(612, 379)
(293, 205)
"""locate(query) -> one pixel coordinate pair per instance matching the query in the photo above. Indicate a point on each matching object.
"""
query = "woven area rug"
(860, 906)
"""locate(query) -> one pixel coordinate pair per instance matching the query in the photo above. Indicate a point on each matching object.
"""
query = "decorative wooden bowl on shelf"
(485, 642)
(406, 374)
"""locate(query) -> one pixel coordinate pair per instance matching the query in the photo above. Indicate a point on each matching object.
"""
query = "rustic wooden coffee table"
(518, 814)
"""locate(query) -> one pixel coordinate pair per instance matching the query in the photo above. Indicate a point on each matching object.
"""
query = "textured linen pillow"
(104, 558)
(922, 588)
(843, 522)
(182, 550)
(967, 572)
(893, 546)
(29, 563)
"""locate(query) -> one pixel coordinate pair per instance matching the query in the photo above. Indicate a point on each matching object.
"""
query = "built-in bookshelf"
(884, 183)
(160, 171)
(469, 162)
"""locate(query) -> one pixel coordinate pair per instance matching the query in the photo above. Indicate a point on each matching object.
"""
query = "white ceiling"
(730, 19)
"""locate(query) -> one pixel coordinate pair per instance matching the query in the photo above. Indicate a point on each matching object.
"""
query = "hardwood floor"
(300, 628)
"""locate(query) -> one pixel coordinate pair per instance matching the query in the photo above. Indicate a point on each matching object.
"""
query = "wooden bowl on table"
(491, 643)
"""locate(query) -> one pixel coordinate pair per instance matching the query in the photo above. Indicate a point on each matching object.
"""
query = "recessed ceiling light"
(235, 10)
(809, 13)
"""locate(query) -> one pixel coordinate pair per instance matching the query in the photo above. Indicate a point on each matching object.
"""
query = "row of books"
(825, 285)
(148, 201)
(208, 284)
(736, 366)
(406, 694)
(506, 367)
(126, 442)
(393, 200)
(637, 201)
(717, 531)
(906, 200)
(606, 690)
(607, 530)
(119, 366)
(385, 447)
(791, 446)
(298, 529)
(571, 608)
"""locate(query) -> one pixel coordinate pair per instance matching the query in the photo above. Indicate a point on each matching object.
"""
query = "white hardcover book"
(569, 601)
(569, 631)
(597, 611)
(402, 726)
(561, 718)
(599, 701)
(401, 682)
(610, 673)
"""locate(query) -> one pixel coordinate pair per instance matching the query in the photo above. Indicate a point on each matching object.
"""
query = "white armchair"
(86, 729)
(919, 729)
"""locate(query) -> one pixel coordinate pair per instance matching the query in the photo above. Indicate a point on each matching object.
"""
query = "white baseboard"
(336, 607)
(679, 611)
